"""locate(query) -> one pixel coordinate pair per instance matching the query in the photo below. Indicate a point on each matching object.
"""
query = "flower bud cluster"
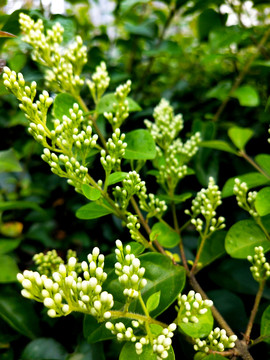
(132, 185)
(206, 203)
(65, 68)
(47, 263)
(217, 340)
(116, 150)
(172, 172)
(129, 271)
(133, 225)
(121, 108)
(66, 291)
(162, 343)
(245, 199)
(191, 306)
(185, 151)
(166, 126)
(72, 169)
(100, 82)
(122, 333)
(260, 268)
(155, 206)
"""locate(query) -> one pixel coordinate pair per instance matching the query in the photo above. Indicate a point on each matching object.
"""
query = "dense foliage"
(191, 268)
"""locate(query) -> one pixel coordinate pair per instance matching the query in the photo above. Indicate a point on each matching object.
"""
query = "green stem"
(147, 327)
(199, 251)
(244, 155)
(122, 314)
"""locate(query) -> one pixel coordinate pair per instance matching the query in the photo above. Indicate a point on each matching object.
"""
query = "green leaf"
(165, 235)
(45, 349)
(90, 192)
(220, 91)
(200, 329)
(252, 180)
(177, 199)
(85, 351)
(240, 136)
(116, 177)
(242, 238)
(9, 269)
(140, 145)
(264, 161)
(61, 105)
(105, 104)
(128, 352)
(214, 357)
(208, 20)
(9, 161)
(213, 248)
(153, 301)
(18, 205)
(265, 325)
(247, 96)
(262, 202)
(94, 331)
(218, 145)
(7, 245)
(92, 211)
(18, 313)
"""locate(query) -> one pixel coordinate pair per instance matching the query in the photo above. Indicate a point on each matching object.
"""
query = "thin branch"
(244, 155)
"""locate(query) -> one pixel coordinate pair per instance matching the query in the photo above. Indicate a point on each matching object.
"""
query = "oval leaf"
(9, 269)
(92, 211)
(218, 145)
(247, 95)
(153, 301)
(7, 245)
(213, 248)
(242, 238)
(106, 104)
(140, 145)
(45, 349)
(265, 325)
(262, 202)
(61, 105)
(90, 192)
(200, 329)
(264, 161)
(166, 236)
(240, 136)
(116, 177)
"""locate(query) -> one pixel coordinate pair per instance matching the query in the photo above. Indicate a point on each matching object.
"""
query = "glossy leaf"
(90, 192)
(214, 357)
(85, 351)
(265, 325)
(153, 301)
(240, 136)
(116, 177)
(128, 352)
(61, 105)
(242, 238)
(213, 248)
(106, 104)
(252, 180)
(92, 211)
(45, 349)
(9, 161)
(19, 205)
(140, 145)
(247, 95)
(94, 331)
(263, 161)
(262, 202)
(165, 235)
(7, 245)
(18, 313)
(218, 145)
(9, 269)
(200, 329)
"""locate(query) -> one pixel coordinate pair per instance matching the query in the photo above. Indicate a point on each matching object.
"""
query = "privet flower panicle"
(245, 199)
(133, 225)
(154, 207)
(66, 291)
(132, 185)
(99, 83)
(122, 333)
(260, 268)
(217, 340)
(129, 271)
(191, 306)
(121, 107)
(162, 343)
(65, 65)
(206, 203)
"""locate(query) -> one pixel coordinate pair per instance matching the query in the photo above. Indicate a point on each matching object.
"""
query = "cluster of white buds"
(162, 343)
(122, 333)
(121, 108)
(206, 203)
(260, 268)
(217, 340)
(73, 170)
(172, 172)
(154, 207)
(191, 306)
(116, 150)
(66, 291)
(245, 199)
(166, 126)
(64, 69)
(132, 185)
(100, 82)
(133, 225)
(185, 151)
(129, 271)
